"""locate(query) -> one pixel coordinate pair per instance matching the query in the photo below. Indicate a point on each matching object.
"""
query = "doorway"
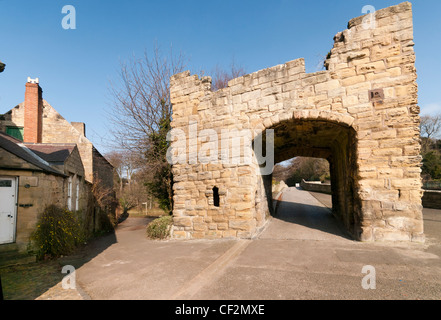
(8, 209)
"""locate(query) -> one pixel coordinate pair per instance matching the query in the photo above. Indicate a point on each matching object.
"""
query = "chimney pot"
(33, 80)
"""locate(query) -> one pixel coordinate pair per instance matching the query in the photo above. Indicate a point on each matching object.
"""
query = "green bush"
(160, 228)
(432, 165)
(58, 233)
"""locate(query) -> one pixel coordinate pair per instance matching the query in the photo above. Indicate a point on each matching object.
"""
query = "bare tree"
(310, 169)
(103, 195)
(141, 98)
(125, 164)
(430, 129)
(129, 179)
(140, 115)
(220, 77)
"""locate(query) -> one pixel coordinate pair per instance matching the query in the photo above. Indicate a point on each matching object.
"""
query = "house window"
(5, 183)
(16, 132)
(77, 194)
(69, 193)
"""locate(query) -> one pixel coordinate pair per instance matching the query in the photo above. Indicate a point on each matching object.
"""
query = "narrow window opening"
(216, 196)
(69, 193)
(77, 195)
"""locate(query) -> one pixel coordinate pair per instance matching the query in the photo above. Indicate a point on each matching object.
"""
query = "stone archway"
(334, 141)
(367, 94)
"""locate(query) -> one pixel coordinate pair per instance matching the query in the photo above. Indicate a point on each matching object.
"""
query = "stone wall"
(74, 168)
(14, 118)
(316, 187)
(432, 199)
(73, 164)
(36, 190)
(56, 129)
(360, 113)
(103, 170)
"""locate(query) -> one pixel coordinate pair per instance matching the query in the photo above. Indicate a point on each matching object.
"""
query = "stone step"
(11, 255)
(16, 260)
(9, 247)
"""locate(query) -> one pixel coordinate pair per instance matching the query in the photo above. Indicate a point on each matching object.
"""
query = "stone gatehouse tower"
(360, 113)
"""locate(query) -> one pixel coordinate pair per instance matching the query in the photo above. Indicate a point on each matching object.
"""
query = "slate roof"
(17, 148)
(52, 152)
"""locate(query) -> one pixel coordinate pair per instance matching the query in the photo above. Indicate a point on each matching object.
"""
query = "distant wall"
(432, 199)
(316, 187)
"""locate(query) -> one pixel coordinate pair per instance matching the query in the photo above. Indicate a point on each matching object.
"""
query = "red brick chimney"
(33, 112)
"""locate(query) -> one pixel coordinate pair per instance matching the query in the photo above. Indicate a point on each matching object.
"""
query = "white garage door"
(8, 195)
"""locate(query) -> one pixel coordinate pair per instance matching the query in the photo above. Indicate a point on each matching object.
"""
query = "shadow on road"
(29, 281)
(311, 217)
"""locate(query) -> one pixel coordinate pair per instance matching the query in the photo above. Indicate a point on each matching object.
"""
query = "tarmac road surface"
(303, 253)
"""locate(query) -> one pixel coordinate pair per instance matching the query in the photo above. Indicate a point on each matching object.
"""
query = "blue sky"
(75, 66)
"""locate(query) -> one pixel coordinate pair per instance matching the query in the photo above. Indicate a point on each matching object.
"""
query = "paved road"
(302, 254)
(300, 216)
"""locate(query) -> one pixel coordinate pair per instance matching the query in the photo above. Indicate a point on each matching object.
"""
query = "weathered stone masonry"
(361, 114)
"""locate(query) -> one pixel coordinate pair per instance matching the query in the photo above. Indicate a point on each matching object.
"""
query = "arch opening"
(326, 140)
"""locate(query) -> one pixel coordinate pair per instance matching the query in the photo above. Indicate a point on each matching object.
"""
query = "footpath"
(302, 254)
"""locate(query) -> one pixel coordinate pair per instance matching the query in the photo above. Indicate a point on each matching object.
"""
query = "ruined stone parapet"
(360, 113)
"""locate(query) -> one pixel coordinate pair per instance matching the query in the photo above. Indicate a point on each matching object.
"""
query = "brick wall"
(33, 105)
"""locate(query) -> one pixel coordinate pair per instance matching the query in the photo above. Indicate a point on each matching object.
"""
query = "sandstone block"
(242, 225)
(327, 86)
(182, 221)
(353, 80)
(371, 67)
